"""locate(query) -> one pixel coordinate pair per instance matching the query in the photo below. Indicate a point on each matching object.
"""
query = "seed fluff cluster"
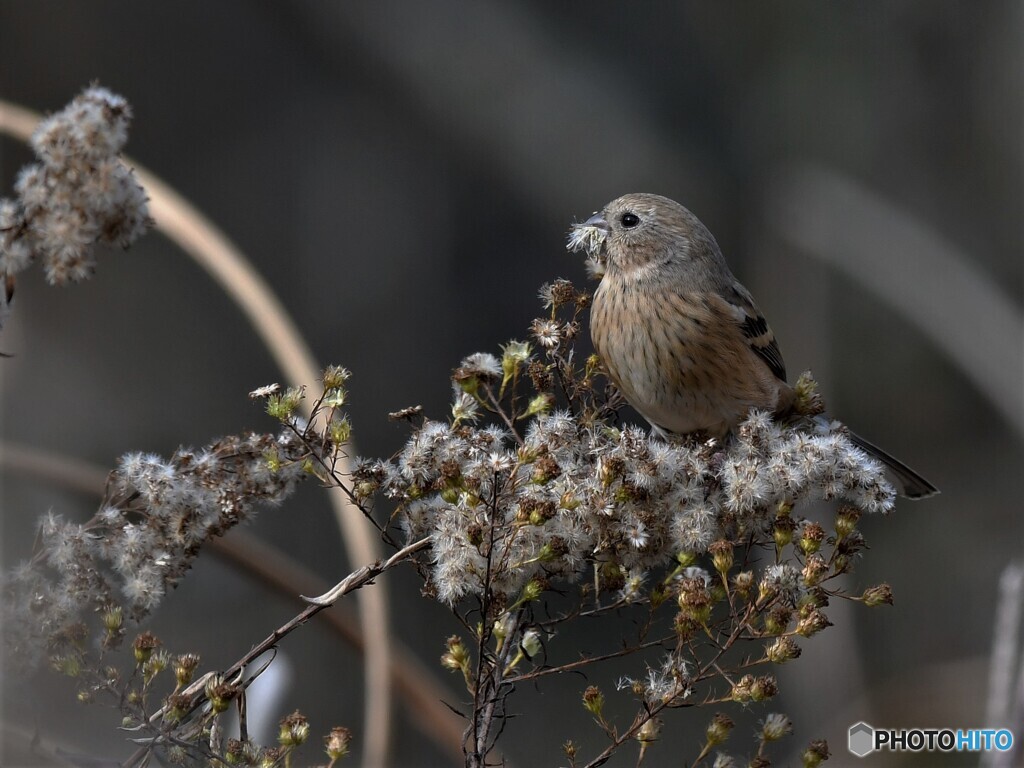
(155, 516)
(79, 193)
(547, 491)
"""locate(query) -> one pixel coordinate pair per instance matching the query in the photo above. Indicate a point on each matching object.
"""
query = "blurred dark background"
(404, 175)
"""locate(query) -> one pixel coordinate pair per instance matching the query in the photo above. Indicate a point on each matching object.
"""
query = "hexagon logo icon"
(861, 739)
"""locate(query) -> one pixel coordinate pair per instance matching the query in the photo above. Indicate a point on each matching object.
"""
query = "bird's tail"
(908, 482)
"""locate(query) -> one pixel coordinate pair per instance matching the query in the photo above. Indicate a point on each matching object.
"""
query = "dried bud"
(593, 700)
(156, 664)
(220, 694)
(283, 405)
(69, 664)
(811, 536)
(532, 591)
(812, 623)
(721, 555)
(695, 600)
(743, 582)
(718, 729)
(782, 650)
(815, 754)
(775, 727)
(815, 597)
(294, 730)
(270, 757)
(846, 520)
(609, 469)
(808, 401)
(241, 752)
(741, 689)
(185, 667)
(143, 646)
(177, 706)
(337, 742)
(685, 627)
(334, 377)
(815, 570)
(540, 375)
(612, 576)
(339, 431)
(545, 469)
(113, 619)
(777, 620)
(658, 595)
(764, 687)
(457, 657)
(878, 595)
(541, 403)
(782, 531)
(514, 355)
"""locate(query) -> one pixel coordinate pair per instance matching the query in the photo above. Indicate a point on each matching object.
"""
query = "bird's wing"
(755, 329)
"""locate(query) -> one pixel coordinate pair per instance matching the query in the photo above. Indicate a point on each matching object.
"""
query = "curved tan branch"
(211, 249)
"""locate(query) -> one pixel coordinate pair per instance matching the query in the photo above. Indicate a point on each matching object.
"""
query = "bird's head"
(639, 231)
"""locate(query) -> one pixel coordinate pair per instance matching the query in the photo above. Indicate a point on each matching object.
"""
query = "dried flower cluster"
(502, 512)
(79, 194)
(531, 484)
(154, 518)
(547, 492)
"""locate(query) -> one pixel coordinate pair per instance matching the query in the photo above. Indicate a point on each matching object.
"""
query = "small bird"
(679, 336)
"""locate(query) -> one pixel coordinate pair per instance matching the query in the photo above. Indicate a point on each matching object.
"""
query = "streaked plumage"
(680, 336)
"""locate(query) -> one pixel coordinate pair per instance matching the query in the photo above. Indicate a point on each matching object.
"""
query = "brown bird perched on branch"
(679, 335)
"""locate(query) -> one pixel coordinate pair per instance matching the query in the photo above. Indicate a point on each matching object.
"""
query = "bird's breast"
(681, 366)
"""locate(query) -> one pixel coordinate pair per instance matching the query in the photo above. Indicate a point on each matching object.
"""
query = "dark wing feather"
(762, 341)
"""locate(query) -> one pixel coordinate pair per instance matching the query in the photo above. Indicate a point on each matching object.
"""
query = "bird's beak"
(598, 222)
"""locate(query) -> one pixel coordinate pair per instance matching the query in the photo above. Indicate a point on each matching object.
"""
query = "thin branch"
(421, 693)
(355, 580)
(562, 669)
(184, 225)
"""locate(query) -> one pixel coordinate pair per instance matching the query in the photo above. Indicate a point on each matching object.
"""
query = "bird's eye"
(629, 220)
